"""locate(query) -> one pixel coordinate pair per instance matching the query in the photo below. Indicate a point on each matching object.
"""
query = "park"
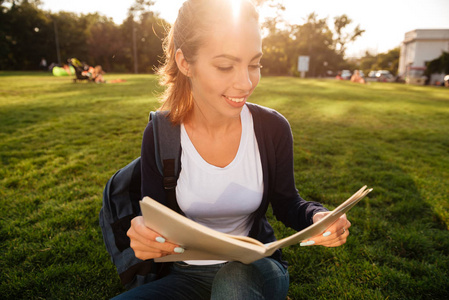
(64, 134)
(61, 141)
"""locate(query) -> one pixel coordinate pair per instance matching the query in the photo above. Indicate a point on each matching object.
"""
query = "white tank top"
(222, 198)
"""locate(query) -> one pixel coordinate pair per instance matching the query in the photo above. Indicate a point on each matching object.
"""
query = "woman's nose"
(243, 80)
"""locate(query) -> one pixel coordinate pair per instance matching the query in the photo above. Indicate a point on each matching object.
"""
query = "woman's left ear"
(182, 63)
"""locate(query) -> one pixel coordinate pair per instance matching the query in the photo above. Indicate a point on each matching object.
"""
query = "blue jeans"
(262, 279)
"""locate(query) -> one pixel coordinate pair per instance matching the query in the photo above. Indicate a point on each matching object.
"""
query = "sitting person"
(237, 158)
(98, 74)
(94, 73)
(338, 77)
(357, 78)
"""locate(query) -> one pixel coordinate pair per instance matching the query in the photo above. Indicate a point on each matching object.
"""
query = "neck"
(211, 125)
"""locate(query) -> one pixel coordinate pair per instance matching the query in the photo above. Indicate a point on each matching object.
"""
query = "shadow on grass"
(396, 239)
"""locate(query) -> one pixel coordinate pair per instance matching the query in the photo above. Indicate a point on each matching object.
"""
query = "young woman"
(237, 158)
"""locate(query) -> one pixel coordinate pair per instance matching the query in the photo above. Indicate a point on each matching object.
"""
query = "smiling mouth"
(236, 100)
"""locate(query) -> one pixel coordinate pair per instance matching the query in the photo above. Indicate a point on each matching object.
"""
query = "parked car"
(380, 75)
(372, 74)
(346, 74)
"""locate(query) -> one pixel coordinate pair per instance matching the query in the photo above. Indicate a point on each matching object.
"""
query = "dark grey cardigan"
(275, 143)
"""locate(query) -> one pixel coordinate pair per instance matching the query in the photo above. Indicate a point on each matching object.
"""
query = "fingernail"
(327, 233)
(179, 250)
(307, 243)
(160, 239)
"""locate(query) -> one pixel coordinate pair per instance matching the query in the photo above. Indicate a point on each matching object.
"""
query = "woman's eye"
(225, 69)
(228, 69)
(256, 66)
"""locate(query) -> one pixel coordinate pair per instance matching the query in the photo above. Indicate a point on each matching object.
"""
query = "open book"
(203, 243)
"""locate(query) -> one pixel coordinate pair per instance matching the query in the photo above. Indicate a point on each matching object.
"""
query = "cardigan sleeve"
(288, 206)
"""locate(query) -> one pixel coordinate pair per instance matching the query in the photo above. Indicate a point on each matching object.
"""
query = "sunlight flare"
(236, 4)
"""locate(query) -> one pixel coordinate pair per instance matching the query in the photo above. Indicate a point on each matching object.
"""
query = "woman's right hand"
(148, 244)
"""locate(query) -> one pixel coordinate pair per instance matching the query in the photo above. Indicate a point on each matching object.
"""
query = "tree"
(276, 58)
(72, 34)
(388, 61)
(284, 43)
(276, 45)
(26, 32)
(137, 9)
(103, 41)
(342, 36)
(5, 50)
(151, 31)
(314, 39)
(141, 38)
(383, 61)
(438, 65)
(367, 62)
(35, 3)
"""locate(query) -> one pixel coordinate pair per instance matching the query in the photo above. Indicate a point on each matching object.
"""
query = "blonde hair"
(99, 69)
(189, 33)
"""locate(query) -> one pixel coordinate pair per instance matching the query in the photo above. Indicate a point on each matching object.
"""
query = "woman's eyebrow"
(236, 59)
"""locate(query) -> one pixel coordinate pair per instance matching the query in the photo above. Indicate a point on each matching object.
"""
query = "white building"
(419, 47)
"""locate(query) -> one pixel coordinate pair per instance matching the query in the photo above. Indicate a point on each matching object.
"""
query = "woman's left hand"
(334, 236)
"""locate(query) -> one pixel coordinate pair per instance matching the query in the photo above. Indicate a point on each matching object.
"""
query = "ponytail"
(177, 98)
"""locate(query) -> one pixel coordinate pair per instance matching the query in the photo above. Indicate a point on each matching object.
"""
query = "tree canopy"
(438, 65)
(284, 43)
(28, 34)
(384, 61)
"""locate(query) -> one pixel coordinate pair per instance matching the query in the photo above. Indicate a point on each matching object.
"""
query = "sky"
(385, 21)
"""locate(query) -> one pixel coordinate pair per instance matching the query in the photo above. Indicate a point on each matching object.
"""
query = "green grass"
(60, 142)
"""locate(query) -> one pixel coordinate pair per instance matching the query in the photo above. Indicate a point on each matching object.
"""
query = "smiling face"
(226, 69)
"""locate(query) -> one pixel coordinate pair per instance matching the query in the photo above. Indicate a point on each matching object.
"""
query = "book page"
(320, 226)
(199, 242)
(203, 243)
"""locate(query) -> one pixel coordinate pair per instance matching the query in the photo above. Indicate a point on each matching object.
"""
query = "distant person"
(339, 77)
(43, 64)
(98, 74)
(94, 73)
(237, 159)
(357, 78)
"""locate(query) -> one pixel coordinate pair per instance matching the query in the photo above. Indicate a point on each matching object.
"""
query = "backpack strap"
(167, 144)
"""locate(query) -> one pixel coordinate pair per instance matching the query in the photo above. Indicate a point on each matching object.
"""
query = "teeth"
(237, 100)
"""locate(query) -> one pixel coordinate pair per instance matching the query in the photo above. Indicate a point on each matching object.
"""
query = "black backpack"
(121, 197)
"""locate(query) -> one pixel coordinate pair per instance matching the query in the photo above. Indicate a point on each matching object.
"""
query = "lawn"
(60, 142)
